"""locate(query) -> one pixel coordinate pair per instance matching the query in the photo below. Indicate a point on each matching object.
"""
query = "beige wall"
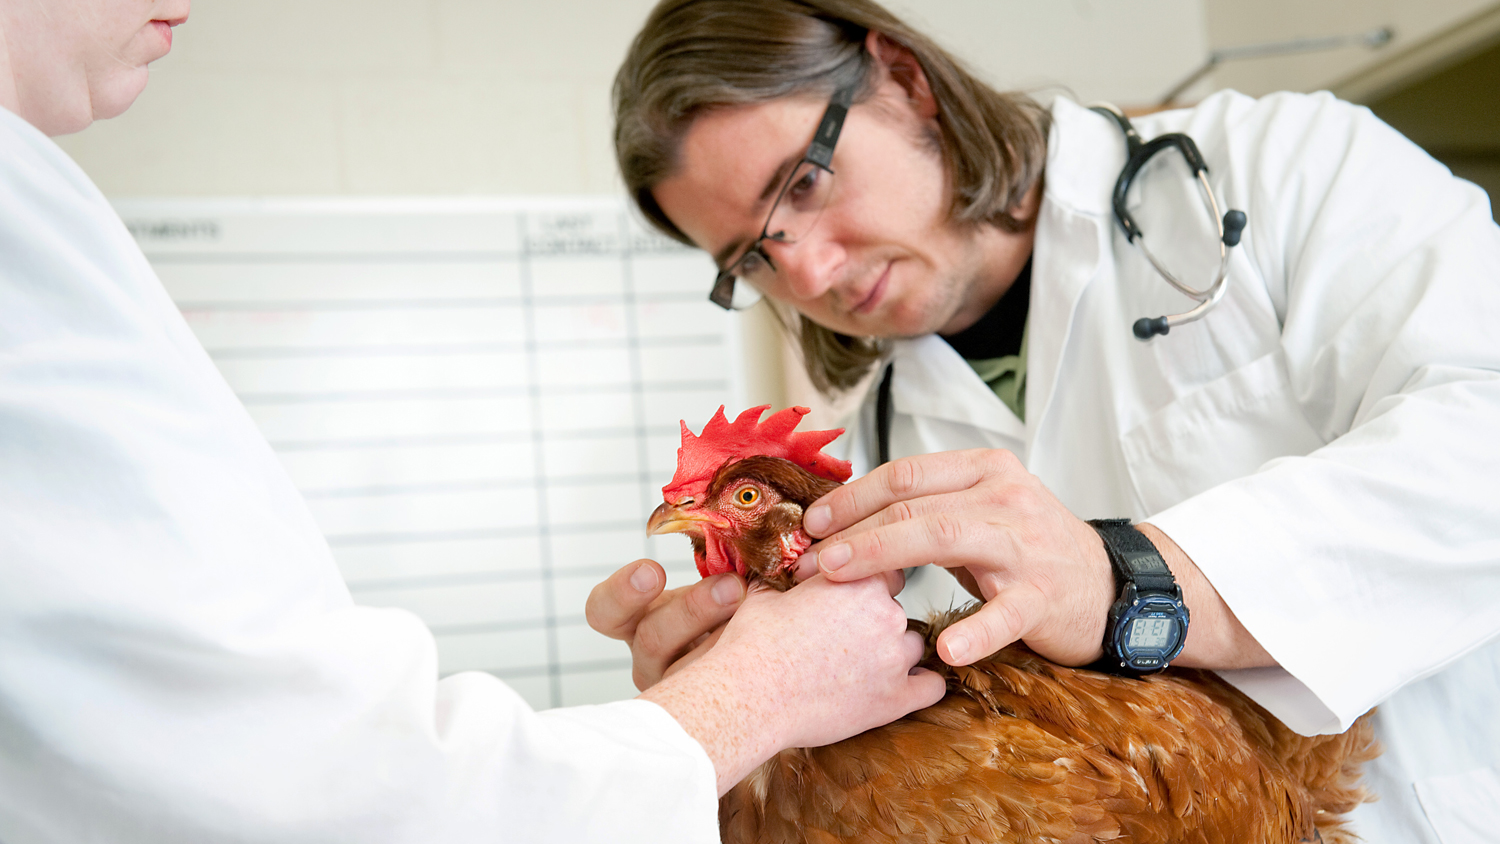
(372, 97)
(435, 97)
(1232, 23)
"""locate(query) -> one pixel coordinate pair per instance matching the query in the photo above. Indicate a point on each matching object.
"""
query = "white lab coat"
(1325, 445)
(179, 658)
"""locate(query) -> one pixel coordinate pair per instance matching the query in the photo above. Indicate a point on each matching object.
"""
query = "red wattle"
(718, 557)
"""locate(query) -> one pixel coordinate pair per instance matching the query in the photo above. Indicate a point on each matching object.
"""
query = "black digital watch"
(1148, 623)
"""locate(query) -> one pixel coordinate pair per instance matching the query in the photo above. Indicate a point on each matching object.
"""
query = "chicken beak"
(670, 519)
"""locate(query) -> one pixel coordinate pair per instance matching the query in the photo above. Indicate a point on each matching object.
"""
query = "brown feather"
(1024, 750)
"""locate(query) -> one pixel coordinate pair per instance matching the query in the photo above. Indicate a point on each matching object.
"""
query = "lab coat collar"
(1084, 155)
(1085, 152)
(933, 381)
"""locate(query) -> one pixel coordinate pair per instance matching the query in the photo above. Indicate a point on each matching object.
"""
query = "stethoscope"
(1137, 153)
(1230, 227)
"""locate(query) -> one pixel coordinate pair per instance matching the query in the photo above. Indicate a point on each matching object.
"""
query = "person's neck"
(1005, 255)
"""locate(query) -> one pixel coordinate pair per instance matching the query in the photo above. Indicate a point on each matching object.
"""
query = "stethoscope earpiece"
(1145, 328)
(1234, 226)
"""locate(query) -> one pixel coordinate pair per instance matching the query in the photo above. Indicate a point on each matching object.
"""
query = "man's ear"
(900, 65)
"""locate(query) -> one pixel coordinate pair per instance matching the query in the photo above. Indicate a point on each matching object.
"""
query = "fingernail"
(818, 519)
(643, 579)
(958, 648)
(808, 561)
(726, 591)
(834, 558)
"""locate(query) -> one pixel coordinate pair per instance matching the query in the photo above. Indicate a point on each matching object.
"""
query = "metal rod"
(1373, 39)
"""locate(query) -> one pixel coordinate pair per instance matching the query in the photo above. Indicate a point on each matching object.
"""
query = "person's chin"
(911, 316)
(114, 98)
(895, 324)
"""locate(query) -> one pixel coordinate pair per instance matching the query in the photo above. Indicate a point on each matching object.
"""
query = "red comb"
(700, 456)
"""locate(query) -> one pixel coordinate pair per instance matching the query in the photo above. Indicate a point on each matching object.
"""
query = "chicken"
(1020, 749)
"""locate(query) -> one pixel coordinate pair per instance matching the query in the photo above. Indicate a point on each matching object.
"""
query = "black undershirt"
(998, 333)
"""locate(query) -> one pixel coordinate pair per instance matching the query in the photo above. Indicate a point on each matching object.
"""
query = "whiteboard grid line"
(332, 444)
(552, 300)
(389, 350)
(476, 578)
(539, 456)
(405, 537)
(360, 256)
(475, 392)
(582, 666)
(637, 369)
(473, 485)
(492, 577)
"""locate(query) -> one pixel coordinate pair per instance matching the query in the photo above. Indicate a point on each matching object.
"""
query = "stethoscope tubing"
(1207, 299)
(1213, 289)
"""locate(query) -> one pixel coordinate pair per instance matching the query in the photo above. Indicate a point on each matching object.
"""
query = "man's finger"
(915, 645)
(899, 511)
(807, 566)
(895, 581)
(615, 606)
(1001, 621)
(902, 480)
(926, 688)
(941, 537)
(671, 626)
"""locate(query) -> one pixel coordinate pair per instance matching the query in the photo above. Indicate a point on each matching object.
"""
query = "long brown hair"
(695, 55)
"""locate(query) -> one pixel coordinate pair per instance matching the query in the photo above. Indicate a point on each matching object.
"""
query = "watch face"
(1151, 633)
(1146, 632)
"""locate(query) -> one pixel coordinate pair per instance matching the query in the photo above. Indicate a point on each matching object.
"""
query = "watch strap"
(1133, 557)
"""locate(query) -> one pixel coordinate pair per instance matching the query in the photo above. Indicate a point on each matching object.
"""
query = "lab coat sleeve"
(1374, 560)
(179, 659)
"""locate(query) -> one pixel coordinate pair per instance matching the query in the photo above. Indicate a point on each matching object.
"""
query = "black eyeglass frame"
(819, 154)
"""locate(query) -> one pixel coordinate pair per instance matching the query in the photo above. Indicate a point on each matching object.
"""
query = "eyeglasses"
(798, 206)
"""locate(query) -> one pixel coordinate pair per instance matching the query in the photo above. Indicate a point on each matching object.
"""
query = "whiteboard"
(479, 399)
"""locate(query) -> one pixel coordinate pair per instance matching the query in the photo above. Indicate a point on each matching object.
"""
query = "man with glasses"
(1310, 460)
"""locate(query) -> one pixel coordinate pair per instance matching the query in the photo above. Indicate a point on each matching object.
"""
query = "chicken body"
(1023, 750)
(1020, 749)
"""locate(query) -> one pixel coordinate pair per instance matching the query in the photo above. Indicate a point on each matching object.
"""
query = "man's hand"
(1042, 572)
(802, 668)
(665, 630)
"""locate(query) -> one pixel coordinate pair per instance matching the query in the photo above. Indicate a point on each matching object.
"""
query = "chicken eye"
(746, 496)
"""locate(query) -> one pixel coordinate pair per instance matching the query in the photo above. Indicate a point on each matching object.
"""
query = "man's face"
(883, 260)
(76, 61)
